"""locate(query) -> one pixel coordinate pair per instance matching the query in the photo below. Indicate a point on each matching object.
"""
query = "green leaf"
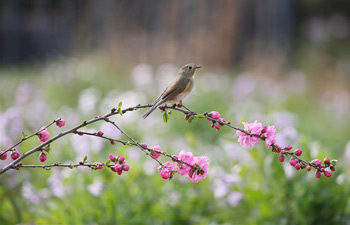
(85, 159)
(165, 117)
(120, 104)
(171, 175)
(200, 116)
(190, 119)
(24, 135)
(120, 111)
(108, 162)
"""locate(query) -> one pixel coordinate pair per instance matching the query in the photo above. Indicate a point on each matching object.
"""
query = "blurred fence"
(213, 32)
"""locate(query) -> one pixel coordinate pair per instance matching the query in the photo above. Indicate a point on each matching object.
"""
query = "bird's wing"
(173, 90)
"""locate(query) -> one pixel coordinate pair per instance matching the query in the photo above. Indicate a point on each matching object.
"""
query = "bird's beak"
(198, 66)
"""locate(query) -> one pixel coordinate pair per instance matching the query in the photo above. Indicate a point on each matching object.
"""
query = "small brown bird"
(178, 89)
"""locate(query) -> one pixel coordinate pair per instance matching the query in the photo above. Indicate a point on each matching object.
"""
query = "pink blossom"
(100, 133)
(215, 115)
(281, 158)
(126, 166)
(111, 157)
(43, 135)
(42, 157)
(247, 140)
(98, 165)
(120, 159)
(298, 152)
(165, 172)
(270, 136)
(217, 126)
(118, 167)
(187, 157)
(60, 122)
(3, 155)
(202, 163)
(327, 173)
(318, 174)
(327, 161)
(15, 155)
(156, 153)
(316, 162)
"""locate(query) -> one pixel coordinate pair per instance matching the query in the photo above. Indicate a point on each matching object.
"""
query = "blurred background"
(285, 63)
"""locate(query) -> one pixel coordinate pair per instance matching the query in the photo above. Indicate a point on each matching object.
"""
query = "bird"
(178, 89)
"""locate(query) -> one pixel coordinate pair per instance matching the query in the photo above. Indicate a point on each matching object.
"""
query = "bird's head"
(189, 69)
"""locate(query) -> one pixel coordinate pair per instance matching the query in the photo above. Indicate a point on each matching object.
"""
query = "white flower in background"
(95, 188)
(234, 198)
(88, 99)
(142, 76)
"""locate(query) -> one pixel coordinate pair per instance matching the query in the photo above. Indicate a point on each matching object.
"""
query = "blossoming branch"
(185, 164)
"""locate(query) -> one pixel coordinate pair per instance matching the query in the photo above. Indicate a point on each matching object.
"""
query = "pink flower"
(144, 146)
(270, 136)
(165, 172)
(293, 161)
(98, 165)
(43, 135)
(298, 152)
(15, 155)
(60, 122)
(318, 174)
(42, 157)
(111, 157)
(215, 115)
(118, 168)
(156, 153)
(120, 159)
(281, 158)
(247, 140)
(327, 161)
(100, 133)
(202, 164)
(187, 157)
(217, 126)
(126, 166)
(3, 155)
(316, 162)
(327, 173)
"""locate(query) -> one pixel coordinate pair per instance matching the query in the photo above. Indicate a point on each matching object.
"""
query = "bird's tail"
(149, 111)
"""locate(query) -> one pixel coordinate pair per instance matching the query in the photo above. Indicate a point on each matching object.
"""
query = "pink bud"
(98, 165)
(316, 162)
(215, 115)
(42, 157)
(118, 167)
(298, 152)
(222, 120)
(43, 135)
(144, 146)
(126, 167)
(60, 122)
(281, 158)
(297, 166)
(119, 172)
(278, 149)
(174, 158)
(217, 126)
(318, 174)
(332, 168)
(120, 159)
(327, 161)
(111, 157)
(308, 169)
(15, 155)
(327, 173)
(289, 147)
(322, 170)
(283, 152)
(3, 155)
(264, 129)
(293, 161)
(100, 133)
(179, 105)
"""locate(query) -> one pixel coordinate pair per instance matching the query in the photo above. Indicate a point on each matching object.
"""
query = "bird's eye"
(190, 67)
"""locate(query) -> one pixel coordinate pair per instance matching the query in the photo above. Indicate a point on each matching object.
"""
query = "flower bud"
(264, 129)
(126, 167)
(328, 173)
(281, 158)
(316, 162)
(15, 155)
(327, 161)
(42, 157)
(60, 122)
(217, 126)
(120, 159)
(297, 166)
(283, 152)
(118, 167)
(179, 105)
(289, 147)
(308, 169)
(111, 157)
(43, 135)
(298, 152)
(332, 168)
(100, 133)
(3, 155)
(318, 174)
(144, 146)
(215, 115)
